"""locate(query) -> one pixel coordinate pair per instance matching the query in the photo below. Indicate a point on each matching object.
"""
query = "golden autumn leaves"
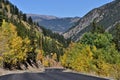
(95, 54)
(13, 48)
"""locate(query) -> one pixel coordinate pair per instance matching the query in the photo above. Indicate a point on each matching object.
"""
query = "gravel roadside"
(5, 72)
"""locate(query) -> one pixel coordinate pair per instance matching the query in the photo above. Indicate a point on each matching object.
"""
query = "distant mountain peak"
(56, 24)
(47, 17)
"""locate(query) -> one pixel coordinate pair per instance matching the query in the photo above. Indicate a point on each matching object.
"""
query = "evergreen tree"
(117, 36)
(16, 11)
(1, 18)
(97, 28)
(0, 5)
(20, 15)
(6, 2)
(30, 21)
(24, 17)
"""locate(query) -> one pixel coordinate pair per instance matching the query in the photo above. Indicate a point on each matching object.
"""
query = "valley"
(56, 24)
(34, 42)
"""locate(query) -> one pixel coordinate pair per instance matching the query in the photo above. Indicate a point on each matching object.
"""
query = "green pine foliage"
(116, 35)
(56, 36)
(97, 39)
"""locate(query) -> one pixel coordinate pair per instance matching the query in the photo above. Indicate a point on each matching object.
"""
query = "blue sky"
(59, 8)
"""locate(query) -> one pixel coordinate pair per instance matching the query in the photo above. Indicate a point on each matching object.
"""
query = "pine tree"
(24, 17)
(30, 20)
(16, 11)
(117, 36)
(97, 28)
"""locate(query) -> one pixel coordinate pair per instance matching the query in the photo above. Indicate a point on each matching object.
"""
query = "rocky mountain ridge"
(107, 15)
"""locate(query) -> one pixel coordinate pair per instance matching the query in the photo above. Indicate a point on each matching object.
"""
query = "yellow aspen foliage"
(78, 57)
(89, 52)
(4, 38)
(95, 54)
(1, 59)
(18, 51)
(54, 56)
(46, 62)
(13, 29)
(15, 48)
(94, 48)
(103, 68)
(63, 60)
(40, 56)
(115, 71)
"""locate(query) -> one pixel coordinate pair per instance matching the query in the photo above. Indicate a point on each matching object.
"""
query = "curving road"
(49, 74)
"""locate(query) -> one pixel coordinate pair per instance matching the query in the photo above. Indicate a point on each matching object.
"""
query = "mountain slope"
(54, 23)
(107, 15)
(24, 42)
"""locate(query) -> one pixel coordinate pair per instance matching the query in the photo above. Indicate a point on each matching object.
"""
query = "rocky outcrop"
(84, 22)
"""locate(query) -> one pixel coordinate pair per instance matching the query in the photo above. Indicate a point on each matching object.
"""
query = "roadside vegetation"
(96, 53)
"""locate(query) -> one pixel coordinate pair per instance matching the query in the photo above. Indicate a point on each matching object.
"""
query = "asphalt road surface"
(49, 74)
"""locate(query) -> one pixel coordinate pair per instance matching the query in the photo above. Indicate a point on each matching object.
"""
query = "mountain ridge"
(106, 15)
(56, 24)
(48, 17)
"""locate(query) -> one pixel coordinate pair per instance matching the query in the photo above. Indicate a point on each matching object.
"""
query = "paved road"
(49, 74)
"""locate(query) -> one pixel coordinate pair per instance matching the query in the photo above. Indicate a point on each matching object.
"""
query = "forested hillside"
(23, 41)
(95, 53)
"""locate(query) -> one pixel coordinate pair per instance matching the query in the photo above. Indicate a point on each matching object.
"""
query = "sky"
(59, 8)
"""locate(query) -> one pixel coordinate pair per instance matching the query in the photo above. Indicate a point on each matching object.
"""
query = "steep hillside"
(24, 42)
(107, 15)
(53, 23)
